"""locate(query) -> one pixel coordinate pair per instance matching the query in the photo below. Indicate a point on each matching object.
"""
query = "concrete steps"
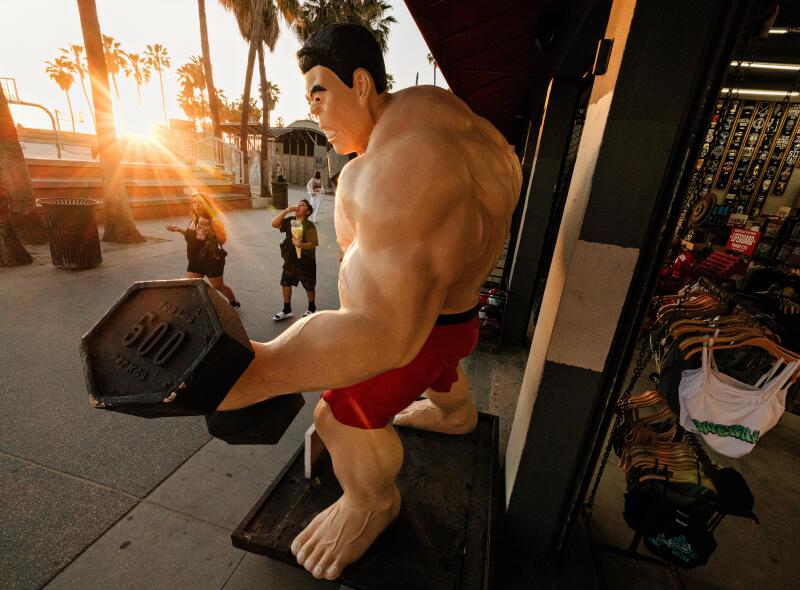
(154, 190)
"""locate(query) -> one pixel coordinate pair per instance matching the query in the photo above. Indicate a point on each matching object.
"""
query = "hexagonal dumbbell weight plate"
(166, 348)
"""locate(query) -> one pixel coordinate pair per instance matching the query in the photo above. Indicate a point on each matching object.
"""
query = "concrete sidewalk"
(95, 500)
(92, 499)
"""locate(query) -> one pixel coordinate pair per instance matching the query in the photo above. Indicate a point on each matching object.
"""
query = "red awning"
(489, 51)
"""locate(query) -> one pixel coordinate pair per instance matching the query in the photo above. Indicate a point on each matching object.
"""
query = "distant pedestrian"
(315, 190)
(204, 236)
(299, 259)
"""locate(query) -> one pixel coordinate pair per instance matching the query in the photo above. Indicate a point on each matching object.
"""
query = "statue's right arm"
(413, 231)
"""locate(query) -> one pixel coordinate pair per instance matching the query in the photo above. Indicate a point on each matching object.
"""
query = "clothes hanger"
(737, 318)
(732, 334)
(647, 398)
(741, 340)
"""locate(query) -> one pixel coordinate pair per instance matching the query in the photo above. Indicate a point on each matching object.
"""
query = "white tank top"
(731, 416)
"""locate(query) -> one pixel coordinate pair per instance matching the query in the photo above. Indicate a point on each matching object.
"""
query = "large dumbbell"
(175, 348)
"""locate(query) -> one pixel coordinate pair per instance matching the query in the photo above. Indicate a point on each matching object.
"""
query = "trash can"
(280, 195)
(72, 232)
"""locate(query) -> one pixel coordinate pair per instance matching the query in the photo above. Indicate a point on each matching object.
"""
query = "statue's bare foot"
(340, 534)
(426, 415)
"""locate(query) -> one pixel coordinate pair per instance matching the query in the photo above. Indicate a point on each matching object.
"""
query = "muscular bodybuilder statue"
(421, 216)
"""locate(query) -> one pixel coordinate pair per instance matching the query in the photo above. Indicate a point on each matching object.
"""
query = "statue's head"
(345, 74)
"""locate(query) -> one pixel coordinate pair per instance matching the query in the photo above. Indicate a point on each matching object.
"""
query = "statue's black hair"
(343, 48)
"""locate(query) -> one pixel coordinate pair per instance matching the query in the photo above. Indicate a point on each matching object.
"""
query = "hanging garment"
(731, 416)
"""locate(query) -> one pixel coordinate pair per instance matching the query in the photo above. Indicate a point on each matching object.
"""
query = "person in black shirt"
(299, 260)
(204, 236)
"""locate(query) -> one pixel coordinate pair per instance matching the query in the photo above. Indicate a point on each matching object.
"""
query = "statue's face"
(342, 115)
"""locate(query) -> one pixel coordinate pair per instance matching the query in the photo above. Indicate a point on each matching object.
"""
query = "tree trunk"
(86, 96)
(71, 114)
(14, 179)
(12, 253)
(244, 130)
(119, 101)
(119, 226)
(203, 116)
(16, 192)
(163, 99)
(116, 88)
(213, 102)
(266, 161)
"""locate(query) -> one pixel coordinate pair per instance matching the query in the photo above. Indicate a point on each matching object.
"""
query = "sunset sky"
(34, 30)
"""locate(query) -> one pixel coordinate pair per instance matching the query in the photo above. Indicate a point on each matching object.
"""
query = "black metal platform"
(444, 536)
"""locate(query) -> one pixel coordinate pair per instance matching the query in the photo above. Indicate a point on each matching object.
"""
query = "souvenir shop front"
(704, 436)
(660, 399)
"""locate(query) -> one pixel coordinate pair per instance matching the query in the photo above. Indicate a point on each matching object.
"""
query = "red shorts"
(373, 403)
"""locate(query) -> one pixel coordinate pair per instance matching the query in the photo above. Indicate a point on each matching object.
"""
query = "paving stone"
(222, 482)
(262, 573)
(304, 419)
(151, 548)
(46, 519)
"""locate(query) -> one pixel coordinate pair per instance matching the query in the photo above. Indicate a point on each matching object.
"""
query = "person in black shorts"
(299, 260)
(204, 236)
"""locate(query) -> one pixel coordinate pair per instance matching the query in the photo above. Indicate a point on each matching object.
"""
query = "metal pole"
(52, 121)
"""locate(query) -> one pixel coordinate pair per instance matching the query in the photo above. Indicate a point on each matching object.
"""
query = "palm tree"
(235, 109)
(158, 58)
(75, 55)
(209, 78)
(141, 71)
(18, 218)
(192, 78)
(60, 71)
(116, 60)
(432, 61)
(119, 226)
(279, 122)
(191, 75)
(191, 106)
(368, 13)
(273, 96)
(389, 81)
(258, 25)
(264, 161)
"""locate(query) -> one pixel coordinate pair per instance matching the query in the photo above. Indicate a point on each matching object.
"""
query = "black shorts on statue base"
(290, 280)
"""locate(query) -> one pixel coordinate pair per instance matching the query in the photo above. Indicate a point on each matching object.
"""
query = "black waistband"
(449, 319)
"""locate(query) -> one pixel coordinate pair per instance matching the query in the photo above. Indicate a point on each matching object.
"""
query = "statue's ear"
(363, 84)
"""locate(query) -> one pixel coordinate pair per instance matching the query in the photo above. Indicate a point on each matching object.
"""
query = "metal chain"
(645, 354)
(644, 357)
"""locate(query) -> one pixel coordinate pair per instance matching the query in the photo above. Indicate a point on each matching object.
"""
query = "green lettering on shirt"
(737, 431)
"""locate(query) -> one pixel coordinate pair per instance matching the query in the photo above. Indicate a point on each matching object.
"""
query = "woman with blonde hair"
(204, 236)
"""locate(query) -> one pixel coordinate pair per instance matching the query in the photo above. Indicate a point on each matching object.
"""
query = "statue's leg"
(366, 463)
(450, 412)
